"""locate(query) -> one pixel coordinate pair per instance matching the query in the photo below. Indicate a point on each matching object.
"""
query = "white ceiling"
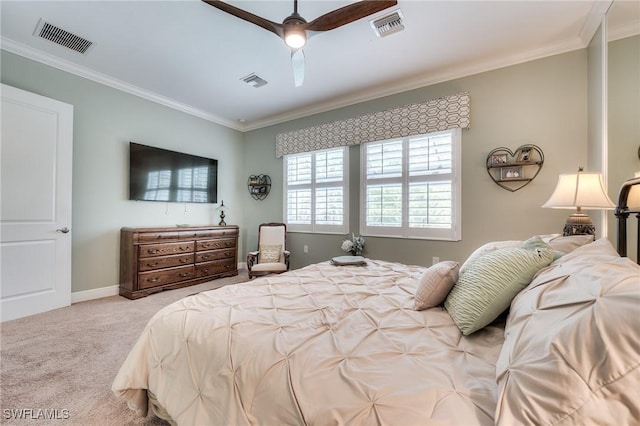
(191, 56)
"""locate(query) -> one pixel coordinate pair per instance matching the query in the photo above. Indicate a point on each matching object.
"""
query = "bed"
(330, 344)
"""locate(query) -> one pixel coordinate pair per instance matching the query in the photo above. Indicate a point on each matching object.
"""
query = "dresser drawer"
(164, 258)
(209, 233)
(207, 256)
(164, 276)
(152, 237)
(150, 263)
(215, 267)
(215, 244)
(152, 250)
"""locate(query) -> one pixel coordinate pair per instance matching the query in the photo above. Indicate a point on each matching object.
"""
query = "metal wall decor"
(259, 186)
(515, 170)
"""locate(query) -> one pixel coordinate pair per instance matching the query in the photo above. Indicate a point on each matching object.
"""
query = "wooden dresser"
(156, 259)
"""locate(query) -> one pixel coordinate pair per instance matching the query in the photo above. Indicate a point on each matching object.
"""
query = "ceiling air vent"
(62, 37)
(254, 80)
(387, 25)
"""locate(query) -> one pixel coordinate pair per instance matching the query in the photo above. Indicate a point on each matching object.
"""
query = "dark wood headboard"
(622, 212)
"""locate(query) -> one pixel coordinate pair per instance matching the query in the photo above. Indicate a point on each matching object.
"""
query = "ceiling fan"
(295, 30)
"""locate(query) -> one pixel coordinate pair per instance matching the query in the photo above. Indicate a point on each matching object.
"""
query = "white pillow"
(570, 354)
(569, 243)
(269, 253)
(488, 248)
(435, 283)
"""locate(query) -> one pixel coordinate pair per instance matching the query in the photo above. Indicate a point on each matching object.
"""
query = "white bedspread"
(320, 345)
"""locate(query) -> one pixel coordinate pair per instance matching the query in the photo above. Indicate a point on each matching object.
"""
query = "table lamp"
(222, 208)
(579, 191)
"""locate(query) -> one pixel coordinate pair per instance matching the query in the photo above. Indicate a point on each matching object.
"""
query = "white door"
(35, 203)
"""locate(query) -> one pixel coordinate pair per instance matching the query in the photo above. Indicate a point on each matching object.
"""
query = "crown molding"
(594, 19)
(419, 82)
(592, 22)
(630, 30)
(34, 54)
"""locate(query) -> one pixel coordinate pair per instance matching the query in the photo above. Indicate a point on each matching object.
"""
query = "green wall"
(543, 102)
(623, 125)
(105, 120)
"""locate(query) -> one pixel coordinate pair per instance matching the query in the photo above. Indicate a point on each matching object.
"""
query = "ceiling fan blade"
(348, 14)
(297, 63)
(268, 25)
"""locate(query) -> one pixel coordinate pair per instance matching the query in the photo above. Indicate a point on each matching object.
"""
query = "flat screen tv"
(157, 174)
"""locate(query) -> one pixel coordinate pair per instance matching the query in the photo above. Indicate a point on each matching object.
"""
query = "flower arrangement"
(354, 246)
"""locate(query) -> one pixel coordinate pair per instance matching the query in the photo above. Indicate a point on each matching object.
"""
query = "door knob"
(64, 230)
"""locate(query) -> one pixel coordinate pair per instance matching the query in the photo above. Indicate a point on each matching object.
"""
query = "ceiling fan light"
(295, 39)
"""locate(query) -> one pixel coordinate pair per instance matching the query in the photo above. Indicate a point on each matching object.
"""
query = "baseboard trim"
(96, 293)
(114, 290)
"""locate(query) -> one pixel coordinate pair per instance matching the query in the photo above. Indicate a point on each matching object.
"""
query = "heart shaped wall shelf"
(513, 170)
(259, 186)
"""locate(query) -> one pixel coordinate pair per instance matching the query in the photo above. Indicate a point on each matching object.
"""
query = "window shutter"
(412, 187)
(316, 191)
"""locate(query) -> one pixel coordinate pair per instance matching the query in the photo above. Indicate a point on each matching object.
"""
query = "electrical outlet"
(434, 260)
(305, 248)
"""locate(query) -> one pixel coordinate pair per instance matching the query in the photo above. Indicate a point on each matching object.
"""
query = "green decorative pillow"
(269, 253)
(487, 287)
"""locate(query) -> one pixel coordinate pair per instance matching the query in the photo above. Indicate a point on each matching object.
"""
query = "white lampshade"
(580, 191)
(633, 199)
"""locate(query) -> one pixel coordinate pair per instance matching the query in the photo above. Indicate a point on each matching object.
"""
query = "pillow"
(269, 253)
(435, 283)
(574, 328)
(569, 243)
(487, 287)
(487, 248)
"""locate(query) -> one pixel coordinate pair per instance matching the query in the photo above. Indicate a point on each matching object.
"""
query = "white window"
(411, 187)
(316, 191)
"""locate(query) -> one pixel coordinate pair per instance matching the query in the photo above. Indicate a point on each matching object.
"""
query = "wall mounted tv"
(157, 174)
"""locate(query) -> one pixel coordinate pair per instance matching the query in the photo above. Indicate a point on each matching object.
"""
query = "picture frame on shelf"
(511, 173)
(524, 155)
(497, 159)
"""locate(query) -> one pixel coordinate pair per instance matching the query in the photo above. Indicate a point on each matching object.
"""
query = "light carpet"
(62, 363)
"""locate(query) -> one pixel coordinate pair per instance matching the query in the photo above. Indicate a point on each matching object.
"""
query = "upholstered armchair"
(272, 256)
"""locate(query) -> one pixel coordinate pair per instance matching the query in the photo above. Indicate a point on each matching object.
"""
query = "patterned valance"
(414, 119)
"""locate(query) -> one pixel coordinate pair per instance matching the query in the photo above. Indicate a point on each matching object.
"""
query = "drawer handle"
(184, 260)
(206, 271)
(153, 251)
(205, 257)
(151, 265)
(152, 280)
(184, 274)
(184, 248)
(228, 253)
